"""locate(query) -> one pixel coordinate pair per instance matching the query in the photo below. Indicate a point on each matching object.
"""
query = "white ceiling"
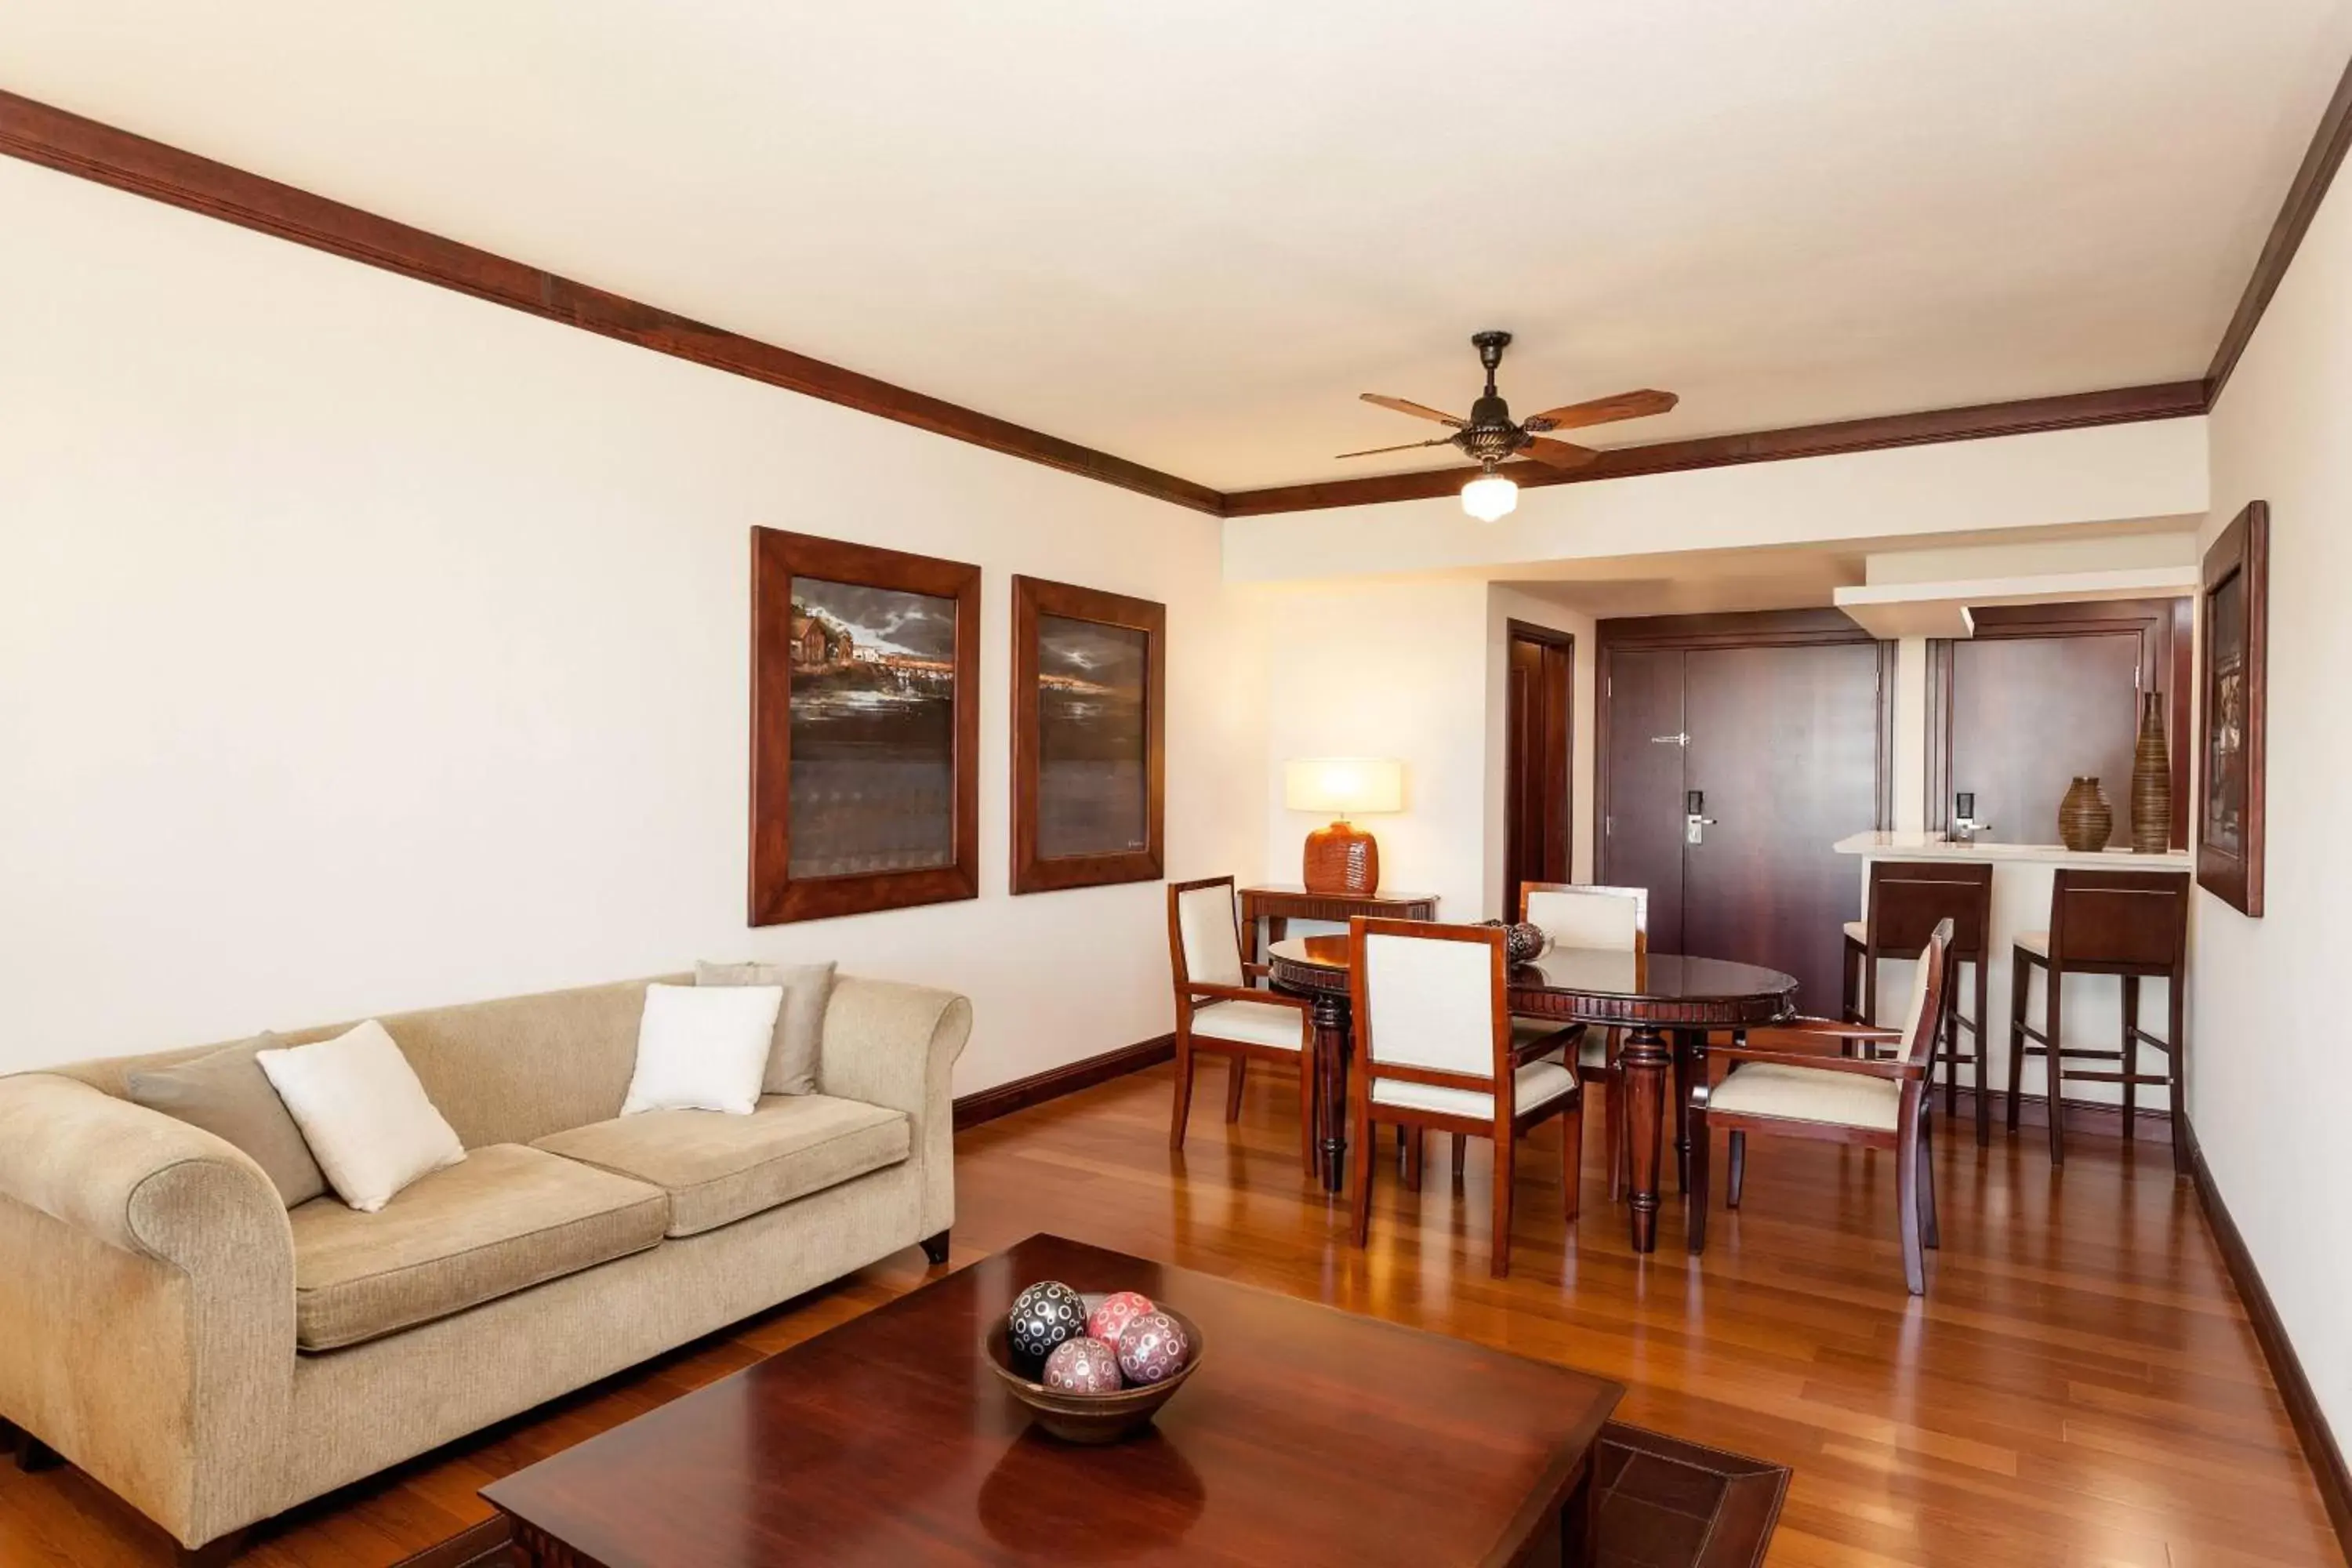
(1188, 233)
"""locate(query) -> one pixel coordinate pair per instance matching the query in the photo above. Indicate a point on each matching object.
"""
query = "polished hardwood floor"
(2078, 1388)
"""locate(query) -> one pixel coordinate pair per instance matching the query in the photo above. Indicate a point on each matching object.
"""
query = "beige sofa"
(167, 1325)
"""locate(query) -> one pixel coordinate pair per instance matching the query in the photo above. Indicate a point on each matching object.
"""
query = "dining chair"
(1788, 1081)
(1616, 919)
(1434, 1051)
(1218, 1011)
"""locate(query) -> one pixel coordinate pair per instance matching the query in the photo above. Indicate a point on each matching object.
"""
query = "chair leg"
(1572, 1158)
(1499, 1263)
(2175, 1064)
(1181, 1111)
(1737, 1177)
(1695, 1208)
(1620, 1147)
(1308, 1119)
(1849, 984)
(1930, 1235)
(1984, 1055)
(1906, 1196)
(1461, 1155)
(2130, 1064)
(1413, 1141)
(1951, 1063)
(1237, 1073)
(1359, 1177)
(2021, 976)
(2051, 986)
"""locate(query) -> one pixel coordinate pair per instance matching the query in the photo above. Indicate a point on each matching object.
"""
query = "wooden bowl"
(1092, 1417)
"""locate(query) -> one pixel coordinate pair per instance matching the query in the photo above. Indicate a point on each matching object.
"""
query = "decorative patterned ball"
(1151, 1349)
(1043, 1316)
(1083, 1365)
(1115, 1311)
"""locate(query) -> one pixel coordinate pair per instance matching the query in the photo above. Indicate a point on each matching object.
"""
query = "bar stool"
(2129, 924)
(1907, 899)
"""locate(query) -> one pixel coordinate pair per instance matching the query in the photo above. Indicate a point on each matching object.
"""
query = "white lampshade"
(1344, 786)
(1489, 497)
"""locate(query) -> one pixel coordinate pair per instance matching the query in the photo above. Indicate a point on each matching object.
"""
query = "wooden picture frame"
(2233, 690)
(870, 659)
(1098, 820)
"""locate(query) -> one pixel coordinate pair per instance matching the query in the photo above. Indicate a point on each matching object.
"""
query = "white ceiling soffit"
(1189, 235)
(1943, 609)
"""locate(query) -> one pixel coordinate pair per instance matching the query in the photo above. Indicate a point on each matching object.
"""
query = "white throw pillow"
(703, 1048)
(364, 1115)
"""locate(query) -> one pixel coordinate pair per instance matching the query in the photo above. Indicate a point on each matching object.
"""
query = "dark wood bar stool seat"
(1908, 899)
(2133, 924)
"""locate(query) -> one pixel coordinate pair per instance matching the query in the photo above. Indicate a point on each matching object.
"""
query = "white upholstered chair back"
(1610, 919)
(1430, 1003)
(1207, 935)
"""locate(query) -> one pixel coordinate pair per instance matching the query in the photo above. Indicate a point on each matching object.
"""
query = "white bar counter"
(2021, 902)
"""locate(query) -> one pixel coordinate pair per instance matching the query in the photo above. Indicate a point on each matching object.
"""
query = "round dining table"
(1650, 996)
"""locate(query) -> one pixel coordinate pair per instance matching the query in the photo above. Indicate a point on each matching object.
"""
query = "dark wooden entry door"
(1541, 720)
(1784, 751)
(1780, 741)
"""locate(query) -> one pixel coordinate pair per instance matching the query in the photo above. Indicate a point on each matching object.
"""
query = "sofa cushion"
(506, 1218)
(228, 1095)
(718, 1169)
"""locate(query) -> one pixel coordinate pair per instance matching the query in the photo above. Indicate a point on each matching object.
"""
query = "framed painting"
(1089, 737)
(2233, 684)
(865, 728)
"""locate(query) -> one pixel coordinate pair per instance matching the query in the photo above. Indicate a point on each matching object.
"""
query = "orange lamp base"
(1342, 859)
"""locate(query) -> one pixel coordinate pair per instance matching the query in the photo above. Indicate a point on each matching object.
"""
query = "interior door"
(1642, 836)
(1540, 724)
(1784, 751)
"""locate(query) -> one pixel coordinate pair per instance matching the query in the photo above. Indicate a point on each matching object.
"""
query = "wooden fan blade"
(1604, 410)
(1418, 410)
(1408, 446)
(1559, 454)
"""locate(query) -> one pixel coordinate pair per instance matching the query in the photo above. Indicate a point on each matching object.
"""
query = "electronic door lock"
(1696, 822)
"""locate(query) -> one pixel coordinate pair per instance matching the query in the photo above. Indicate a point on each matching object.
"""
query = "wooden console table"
(1279, 904)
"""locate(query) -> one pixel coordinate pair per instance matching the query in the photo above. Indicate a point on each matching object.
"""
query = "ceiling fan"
(1490, 434)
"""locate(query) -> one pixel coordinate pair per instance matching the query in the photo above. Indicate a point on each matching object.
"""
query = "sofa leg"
(9, 1433)
(34, 1454)
(214, 1554)
(935, 1249)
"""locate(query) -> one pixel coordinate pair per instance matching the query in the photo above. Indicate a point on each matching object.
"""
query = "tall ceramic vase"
(2084, 817)
(2151, 789)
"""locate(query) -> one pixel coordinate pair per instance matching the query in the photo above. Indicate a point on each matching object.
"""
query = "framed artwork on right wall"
(2233, 689)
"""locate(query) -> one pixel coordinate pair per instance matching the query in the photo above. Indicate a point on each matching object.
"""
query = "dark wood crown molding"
(2119, 405)
(74, 145)
(2320, 162)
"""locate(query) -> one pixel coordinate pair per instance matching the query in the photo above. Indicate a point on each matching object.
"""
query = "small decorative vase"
(2151, 787)
(2084, 818)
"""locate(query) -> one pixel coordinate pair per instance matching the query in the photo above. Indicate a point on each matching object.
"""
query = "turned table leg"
(1646, 1062)
(1331, 1085)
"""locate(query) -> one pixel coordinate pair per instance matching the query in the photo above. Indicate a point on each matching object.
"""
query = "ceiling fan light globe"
(1490, 498)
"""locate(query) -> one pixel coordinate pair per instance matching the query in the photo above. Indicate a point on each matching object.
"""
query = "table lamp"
(1342, 858)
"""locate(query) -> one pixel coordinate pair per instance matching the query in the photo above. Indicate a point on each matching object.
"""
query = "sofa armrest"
(146, 1303)
(895, 1045)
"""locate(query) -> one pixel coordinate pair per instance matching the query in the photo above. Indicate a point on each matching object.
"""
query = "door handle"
(1681, 739)
(1696, 822)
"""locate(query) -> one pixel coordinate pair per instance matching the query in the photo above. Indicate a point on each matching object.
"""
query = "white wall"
(364, 647)
(2101, 475)
(2269, 1071)
(1413, 669)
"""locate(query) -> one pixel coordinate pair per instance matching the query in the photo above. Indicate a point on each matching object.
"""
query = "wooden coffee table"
(1308, 1436)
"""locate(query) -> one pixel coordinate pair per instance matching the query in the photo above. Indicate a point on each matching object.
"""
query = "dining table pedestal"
(1647, 995)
